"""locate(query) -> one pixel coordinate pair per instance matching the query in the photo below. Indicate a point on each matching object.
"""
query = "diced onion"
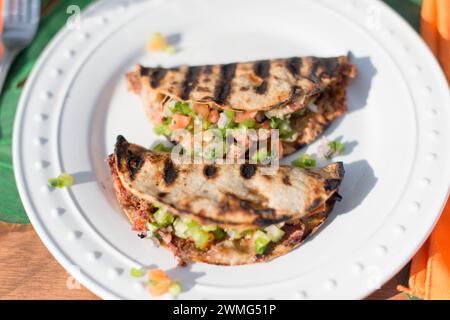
(313, 107)
(223, 120)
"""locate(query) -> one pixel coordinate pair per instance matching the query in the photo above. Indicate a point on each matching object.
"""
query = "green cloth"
(408, 9)
(53, 18)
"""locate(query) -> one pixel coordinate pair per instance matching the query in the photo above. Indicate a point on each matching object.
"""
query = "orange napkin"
(435, 30)
(430, 269)
(429, 277)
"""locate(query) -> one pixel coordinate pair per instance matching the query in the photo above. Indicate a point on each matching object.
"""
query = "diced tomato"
(242, 116)
(139, 225)
(159, 282)
(213, 116)
(179, 121)
(265, 125)
(157, 275)
(160, 288)
(202, 110)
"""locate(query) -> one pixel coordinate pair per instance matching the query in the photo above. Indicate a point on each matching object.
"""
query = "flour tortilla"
(226, 195)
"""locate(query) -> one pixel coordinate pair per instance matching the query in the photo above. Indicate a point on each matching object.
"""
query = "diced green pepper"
(162, 148)
(283, 125)
(201, 238)
(153, 227)
(230, 115)
(274, 122)
(53, 182)
(157, 205)
(209, 228)
(219, 234)
(175, 288)
(163, 218)
(260, 155)
(162, 129)
(262, 240)
(137, 273)
(187, 228)
(285, 130)
(305, 161)
(248, 123)
(247, 233)
(184, 108)
(232, 125)
(337, 147)
(192, 224)
(63, 180)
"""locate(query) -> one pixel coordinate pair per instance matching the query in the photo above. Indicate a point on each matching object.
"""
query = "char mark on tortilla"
(293, 65)
(313, 70)
(248, 170)
(156, 75)
(132, 161)
(262, 68)
(170, 172)
(224, 84)
(262, 88)
(210, 171)
(190, 82)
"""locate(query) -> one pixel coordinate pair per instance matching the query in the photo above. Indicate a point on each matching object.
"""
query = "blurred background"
(21, 251)
(54, 14)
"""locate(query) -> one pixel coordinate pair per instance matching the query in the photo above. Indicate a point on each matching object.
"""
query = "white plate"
(397, 134)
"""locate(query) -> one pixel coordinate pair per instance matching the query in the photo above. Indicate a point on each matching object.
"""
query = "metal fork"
(20, 22)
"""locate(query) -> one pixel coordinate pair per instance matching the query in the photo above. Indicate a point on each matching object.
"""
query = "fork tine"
(15, 9)
(22, 5)
(12, 11)
(21, 11)
(21, 14)
(5, 9)
(35, 10)
(25, 12)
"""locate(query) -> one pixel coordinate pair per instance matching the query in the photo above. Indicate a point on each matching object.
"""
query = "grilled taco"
(221, 214)
(298, 96)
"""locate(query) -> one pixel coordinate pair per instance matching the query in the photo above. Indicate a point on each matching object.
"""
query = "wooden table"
(29, 271)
